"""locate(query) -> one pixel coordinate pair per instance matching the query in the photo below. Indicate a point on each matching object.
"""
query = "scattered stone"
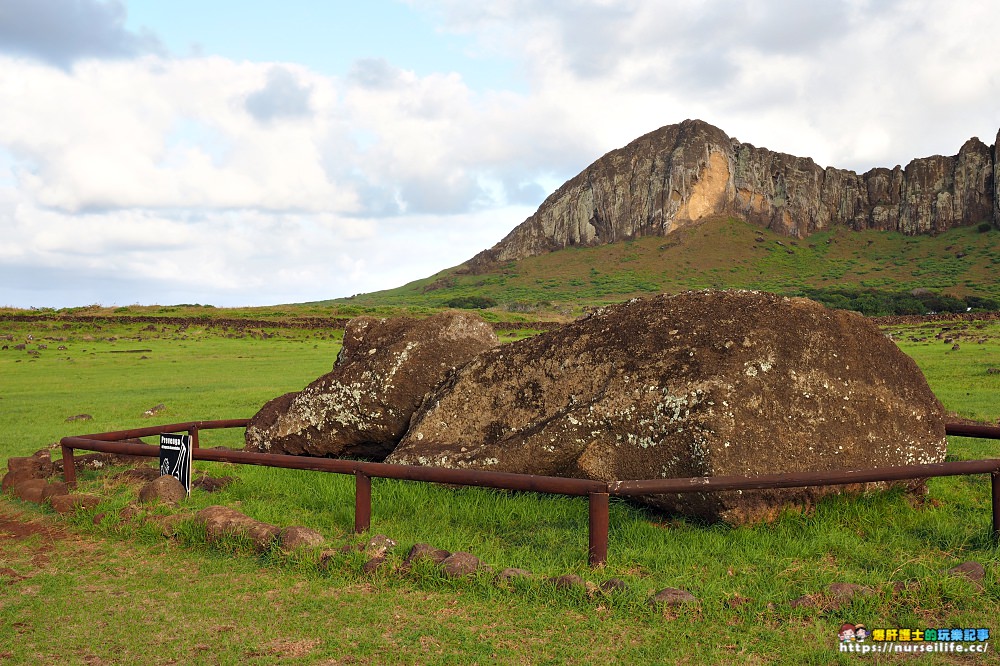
(165, 489)
(38, 490)
(671, 596)
(153, 411)
(805, 601)
(38, 465)
(79, 417)
(425, 551)
(460, 564)
(379, 545)
(74, 502)
(688, 385)
(292, 538)
(901, 586)
(211, 484)
(374, 564)
(567, 582)
(512, 573)
(612, 585)
(222, 521)
(842, 594)
(363, 406)
(974, 571)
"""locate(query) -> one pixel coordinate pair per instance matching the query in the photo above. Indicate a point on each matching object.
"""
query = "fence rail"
(597, 492)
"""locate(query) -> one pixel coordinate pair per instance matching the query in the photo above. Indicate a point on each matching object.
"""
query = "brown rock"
(211, 484)
(37, 466)
(74, 502)
(12, 479)
(974, 571)
(363, 407)
(295, 537)
(425, 551)
(841, 594)
(139, 475)
(165, 489)
(613, 585)
(38, 490)
(374, 564)
(671, 596)
(805, 601)
(460, 564)
(79, 417)
(567, 582)
(153, 411)
(680, 174)
(222, 522)
(699, 384)
(379, 544)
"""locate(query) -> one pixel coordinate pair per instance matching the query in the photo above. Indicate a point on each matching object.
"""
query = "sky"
(260, 153)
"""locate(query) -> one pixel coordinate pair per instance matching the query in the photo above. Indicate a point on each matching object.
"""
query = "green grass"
(237, 607)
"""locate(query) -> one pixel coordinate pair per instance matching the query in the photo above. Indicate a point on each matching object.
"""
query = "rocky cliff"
(680, 174)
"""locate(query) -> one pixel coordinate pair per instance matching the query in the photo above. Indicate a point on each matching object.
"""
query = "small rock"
(79, 417)
(671, 596)
(379, 545)
(612, 585)
(73, 503)
(373, 565)
(38, 490)
(153, 411)
(221, 521)
(295, 537)
(974, 571)
(211, 484)
(842, 593)
(460, 564)
(805, 601)
(165, 489)
(425, 551)
(510, 573)
(567, 581)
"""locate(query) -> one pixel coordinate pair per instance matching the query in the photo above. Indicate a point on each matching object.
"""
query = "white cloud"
(271, 182)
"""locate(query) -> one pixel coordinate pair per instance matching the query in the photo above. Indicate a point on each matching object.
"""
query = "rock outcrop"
(363, 407)
(698, 384)
(680, 174)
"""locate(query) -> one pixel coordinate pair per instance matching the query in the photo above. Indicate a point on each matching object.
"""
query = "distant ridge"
(681, 174)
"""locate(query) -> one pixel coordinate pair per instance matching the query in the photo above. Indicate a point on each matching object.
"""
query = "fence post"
(362, 502)
(995, 483)
(69, 467)
(193, 431)
(598, 553)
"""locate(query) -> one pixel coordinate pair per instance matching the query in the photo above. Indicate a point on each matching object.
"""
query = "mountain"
(681, 174)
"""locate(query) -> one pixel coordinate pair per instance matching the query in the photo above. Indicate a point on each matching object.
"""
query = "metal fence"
(598, 492)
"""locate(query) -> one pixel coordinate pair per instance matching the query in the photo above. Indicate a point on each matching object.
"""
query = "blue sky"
(252, 153)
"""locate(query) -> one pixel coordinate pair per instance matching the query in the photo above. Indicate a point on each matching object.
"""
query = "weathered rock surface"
(679, 174)
(296, 536)
(165, 489)
(363, 407)
(221, 522)
(698, 384)
(74, 502)
(460, 564)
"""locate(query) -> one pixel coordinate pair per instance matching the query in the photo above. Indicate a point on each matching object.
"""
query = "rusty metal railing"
(597, 492)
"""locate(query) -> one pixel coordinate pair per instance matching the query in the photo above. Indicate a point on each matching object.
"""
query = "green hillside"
(719, 253)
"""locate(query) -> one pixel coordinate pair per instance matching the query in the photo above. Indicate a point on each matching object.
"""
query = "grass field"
(119, 592)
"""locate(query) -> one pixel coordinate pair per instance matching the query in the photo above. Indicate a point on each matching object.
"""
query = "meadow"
(118, 591)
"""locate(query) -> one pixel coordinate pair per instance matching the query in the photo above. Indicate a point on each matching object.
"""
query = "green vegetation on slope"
(719, 253)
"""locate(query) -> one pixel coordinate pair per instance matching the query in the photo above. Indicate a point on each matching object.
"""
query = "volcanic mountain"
(681, 174)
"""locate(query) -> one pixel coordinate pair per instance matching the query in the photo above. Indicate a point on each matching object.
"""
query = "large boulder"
(363, 407)
(699, 384)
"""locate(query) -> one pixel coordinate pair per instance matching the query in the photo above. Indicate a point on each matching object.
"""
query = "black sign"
(175, 458)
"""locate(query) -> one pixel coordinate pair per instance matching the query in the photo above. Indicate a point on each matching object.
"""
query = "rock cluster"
(679, 174)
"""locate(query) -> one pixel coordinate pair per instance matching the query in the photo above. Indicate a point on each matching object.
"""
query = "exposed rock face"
(383, 371)
(698, 384)
(683, 173)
